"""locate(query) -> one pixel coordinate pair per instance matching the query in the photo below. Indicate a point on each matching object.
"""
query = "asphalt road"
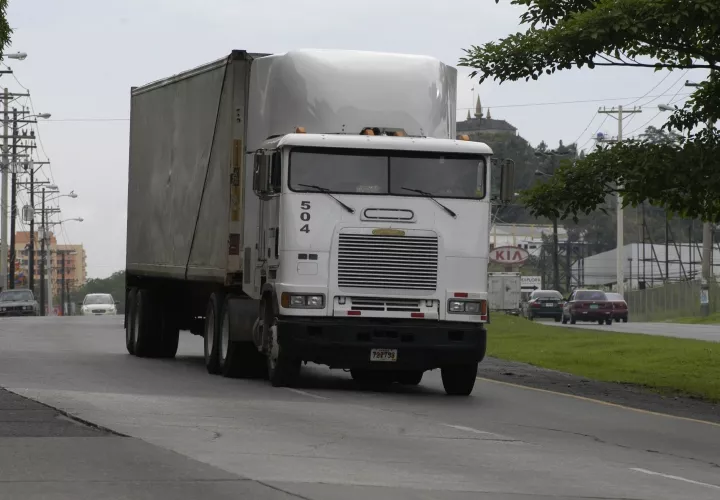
(329, 440)
(700, 332)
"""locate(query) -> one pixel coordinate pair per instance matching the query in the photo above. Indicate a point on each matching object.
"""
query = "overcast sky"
(84, 55)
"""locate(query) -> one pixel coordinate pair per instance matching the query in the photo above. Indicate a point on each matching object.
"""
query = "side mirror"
(260, 173)
(507, 181)
(117, 302)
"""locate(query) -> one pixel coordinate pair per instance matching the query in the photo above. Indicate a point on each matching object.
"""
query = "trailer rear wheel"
(145, 324)
(213, 318)
(459, 380)
(169, 332)
(238, 359)
(130, 321)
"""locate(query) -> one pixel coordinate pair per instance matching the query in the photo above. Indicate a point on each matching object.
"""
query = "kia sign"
(509, 256)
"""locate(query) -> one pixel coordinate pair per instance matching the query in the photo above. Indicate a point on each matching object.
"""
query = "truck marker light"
(417, 315)
(354, 313)
(460, 295)
(300, 130)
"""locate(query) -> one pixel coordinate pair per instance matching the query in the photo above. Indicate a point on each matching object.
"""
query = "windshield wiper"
(327, 192)
(429, 195)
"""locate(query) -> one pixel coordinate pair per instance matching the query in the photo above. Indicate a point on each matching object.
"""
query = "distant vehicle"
(620, 307)
(545, 304)
(588, 305)
(98, 304)
(18, 303)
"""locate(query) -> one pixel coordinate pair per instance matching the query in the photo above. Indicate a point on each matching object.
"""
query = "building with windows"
(74, 257)
(526, 236)
(482, 126)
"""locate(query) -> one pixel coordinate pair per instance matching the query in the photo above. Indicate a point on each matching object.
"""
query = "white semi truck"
(312, 206)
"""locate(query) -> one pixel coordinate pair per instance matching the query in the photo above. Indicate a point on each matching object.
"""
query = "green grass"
(712, 319)
(667, 365)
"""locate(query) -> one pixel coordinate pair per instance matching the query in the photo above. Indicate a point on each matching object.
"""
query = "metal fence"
(673, 300)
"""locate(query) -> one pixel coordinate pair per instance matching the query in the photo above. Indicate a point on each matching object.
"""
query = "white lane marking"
(298, 391)
(676, 478)
(468, 429)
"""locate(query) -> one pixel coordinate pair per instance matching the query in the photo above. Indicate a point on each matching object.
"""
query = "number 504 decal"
(305, 216)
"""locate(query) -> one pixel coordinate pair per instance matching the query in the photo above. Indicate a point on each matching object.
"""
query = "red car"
(588, 305)
(620, 307)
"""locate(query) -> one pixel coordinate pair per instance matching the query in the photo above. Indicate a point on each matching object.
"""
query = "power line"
(562, 102)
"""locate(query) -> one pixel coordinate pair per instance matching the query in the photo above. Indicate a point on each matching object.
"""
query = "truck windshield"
(343, 171)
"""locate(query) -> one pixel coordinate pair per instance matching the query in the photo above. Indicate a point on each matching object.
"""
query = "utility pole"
(13, 202)
(620, 257)
(42, 256)
(707, 251)
(62, 282)
(4, 197)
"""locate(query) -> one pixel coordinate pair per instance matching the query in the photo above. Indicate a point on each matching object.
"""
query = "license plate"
(594, 306)
(550, 304)
(387, 355)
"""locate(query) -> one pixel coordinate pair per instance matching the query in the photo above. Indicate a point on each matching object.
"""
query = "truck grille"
(390, 262)
(384, 305)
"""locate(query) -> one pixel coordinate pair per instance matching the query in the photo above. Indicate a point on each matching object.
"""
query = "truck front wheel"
(459, 380)
(283, 368)
(213, 318)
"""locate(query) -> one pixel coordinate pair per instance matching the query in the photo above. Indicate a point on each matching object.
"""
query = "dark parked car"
(18, 303)
(545, 304)
(620, 307)
(588, 305)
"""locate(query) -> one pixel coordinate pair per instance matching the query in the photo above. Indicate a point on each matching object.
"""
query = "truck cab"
(372, 253)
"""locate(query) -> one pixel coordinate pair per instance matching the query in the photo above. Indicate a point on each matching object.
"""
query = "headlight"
(28, 308)
(467, 307)
(2, 309)
(297, 301)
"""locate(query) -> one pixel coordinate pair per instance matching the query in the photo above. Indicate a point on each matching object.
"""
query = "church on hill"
(484, 125)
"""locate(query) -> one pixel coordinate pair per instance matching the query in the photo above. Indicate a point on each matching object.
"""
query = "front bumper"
(346, 343)
(98, 313)
(8, 314)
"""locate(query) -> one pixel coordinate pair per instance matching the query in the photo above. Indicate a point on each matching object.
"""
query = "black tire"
(459, 380)
(213, 318)
(601, 321)
(608, 322)
(169, 332)
(283, 369)
(146, 331)
(572, 320)
(625, 319)
(531, 317)
(412, 377)
(557, 319)
(238, 359)
(130, 321)
(564, 320)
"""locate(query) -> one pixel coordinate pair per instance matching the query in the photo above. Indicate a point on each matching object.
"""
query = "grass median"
(712, 319)
(667, 365)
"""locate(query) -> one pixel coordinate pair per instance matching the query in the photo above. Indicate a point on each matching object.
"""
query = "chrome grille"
(390, 262)
(383, 304)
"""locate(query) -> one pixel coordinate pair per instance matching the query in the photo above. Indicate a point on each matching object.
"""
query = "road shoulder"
(628, 395)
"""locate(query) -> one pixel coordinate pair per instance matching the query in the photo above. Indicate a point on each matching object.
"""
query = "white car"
(98, 304)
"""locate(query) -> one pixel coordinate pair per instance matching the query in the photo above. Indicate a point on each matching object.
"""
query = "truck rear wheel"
(459, 380)
(130, 321)
(145, 325)
(283, 369)
(213, 318)
(238, 359)
(169, 333)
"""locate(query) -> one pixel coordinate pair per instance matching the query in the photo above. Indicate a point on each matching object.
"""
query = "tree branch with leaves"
(660, 34)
